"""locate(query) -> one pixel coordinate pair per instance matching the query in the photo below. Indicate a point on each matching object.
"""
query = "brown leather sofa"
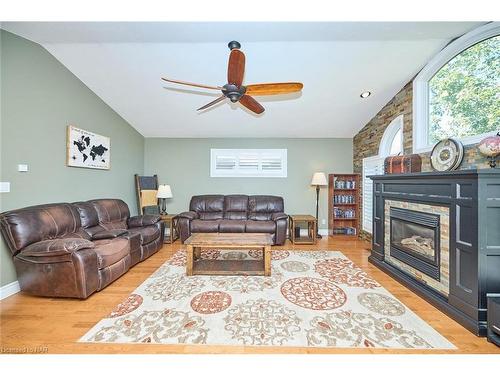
(234, 214)
(73, 250)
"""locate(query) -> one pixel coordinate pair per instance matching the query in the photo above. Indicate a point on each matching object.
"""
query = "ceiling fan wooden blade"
(252, 104)
(273, 88)
(236, 67)
(192, 84)
(220, 98)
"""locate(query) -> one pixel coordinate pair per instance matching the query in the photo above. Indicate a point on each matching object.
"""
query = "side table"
(170, 222)
(294, 223)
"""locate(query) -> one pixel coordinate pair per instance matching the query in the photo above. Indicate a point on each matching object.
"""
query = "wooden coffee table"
(197, 266)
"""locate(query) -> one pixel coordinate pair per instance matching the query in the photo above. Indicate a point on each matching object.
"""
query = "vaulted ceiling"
(123, 62)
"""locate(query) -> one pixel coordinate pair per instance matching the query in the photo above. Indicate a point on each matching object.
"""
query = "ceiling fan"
(236, 91)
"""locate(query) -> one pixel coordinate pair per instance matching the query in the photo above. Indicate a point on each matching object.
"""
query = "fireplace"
(417, 239)
(437, 233)
(414, 240)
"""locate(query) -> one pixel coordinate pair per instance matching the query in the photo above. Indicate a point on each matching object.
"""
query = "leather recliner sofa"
(234, 214)
(74, 250)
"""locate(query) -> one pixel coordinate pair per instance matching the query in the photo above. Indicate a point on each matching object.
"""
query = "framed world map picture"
(85, 149)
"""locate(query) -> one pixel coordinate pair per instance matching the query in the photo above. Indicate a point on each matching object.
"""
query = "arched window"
(392, 140)
(457, 93)
(390, 144)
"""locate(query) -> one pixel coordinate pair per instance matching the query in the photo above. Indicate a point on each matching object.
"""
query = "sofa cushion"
(112, 213)
(235, 207)
(208, 207)
(232, 226)
(111, 251)
(148, 234)
(204, 226)
(88, 214)
(261, 207)
(260, 226)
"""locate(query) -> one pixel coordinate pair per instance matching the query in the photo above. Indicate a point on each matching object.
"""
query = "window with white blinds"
(371, 166)
(248, 162)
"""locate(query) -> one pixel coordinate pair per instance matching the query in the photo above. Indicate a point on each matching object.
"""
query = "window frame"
(237, 172)
(421, 85)
(389, 134)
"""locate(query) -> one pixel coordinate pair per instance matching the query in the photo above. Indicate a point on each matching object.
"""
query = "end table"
(312, 224)
(170, 222)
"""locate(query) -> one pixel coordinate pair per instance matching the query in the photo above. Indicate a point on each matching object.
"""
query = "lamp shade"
(164, 191)
(319, 179)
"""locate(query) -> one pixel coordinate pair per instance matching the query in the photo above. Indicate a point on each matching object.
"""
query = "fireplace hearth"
(414, 239)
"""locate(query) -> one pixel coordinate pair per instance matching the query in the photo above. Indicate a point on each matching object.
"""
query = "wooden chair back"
(146, 189)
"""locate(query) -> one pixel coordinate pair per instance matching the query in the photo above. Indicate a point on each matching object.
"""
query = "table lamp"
(164, 192)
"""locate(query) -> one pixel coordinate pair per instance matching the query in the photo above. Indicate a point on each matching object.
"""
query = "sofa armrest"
(278, 216)
(142, 220)
(190, 215)
(112, 233)
(59, 246)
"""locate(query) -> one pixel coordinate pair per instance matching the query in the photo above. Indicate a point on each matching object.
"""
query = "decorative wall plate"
(447, 155)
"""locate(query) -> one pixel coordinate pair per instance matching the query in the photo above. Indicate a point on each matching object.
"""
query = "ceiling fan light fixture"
(365, 94)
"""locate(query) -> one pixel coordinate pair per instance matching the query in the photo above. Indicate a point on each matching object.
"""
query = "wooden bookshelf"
(343, 204)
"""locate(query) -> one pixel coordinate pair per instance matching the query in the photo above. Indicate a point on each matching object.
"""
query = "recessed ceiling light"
(365, 94)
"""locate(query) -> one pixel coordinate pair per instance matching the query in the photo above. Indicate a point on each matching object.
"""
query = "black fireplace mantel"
(473, 199)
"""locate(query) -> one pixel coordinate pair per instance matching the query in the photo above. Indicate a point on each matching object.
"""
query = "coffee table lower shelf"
(228, 267)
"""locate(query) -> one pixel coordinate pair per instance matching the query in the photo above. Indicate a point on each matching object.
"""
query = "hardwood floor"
(55, 325)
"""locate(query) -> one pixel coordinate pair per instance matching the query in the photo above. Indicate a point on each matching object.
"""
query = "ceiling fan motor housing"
(233, 92)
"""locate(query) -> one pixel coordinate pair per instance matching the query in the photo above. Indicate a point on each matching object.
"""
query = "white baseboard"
(9, 289)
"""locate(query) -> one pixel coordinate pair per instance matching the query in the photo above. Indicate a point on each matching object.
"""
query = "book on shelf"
(344, 230)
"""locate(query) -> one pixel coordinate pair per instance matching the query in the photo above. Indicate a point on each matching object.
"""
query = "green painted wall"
(185, 165)
(39, 98)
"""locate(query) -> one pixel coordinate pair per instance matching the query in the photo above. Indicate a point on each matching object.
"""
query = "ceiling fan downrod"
(234, 45)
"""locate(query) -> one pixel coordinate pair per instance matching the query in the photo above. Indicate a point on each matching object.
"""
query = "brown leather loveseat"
(235, 214)
(73, 250)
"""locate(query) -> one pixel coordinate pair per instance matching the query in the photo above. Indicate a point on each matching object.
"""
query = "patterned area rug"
(312, 299)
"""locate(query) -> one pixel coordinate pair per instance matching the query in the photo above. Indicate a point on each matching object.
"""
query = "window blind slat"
(225, 162)
(249, 161)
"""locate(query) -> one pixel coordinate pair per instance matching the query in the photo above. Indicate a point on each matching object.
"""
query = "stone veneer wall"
(366, 143)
